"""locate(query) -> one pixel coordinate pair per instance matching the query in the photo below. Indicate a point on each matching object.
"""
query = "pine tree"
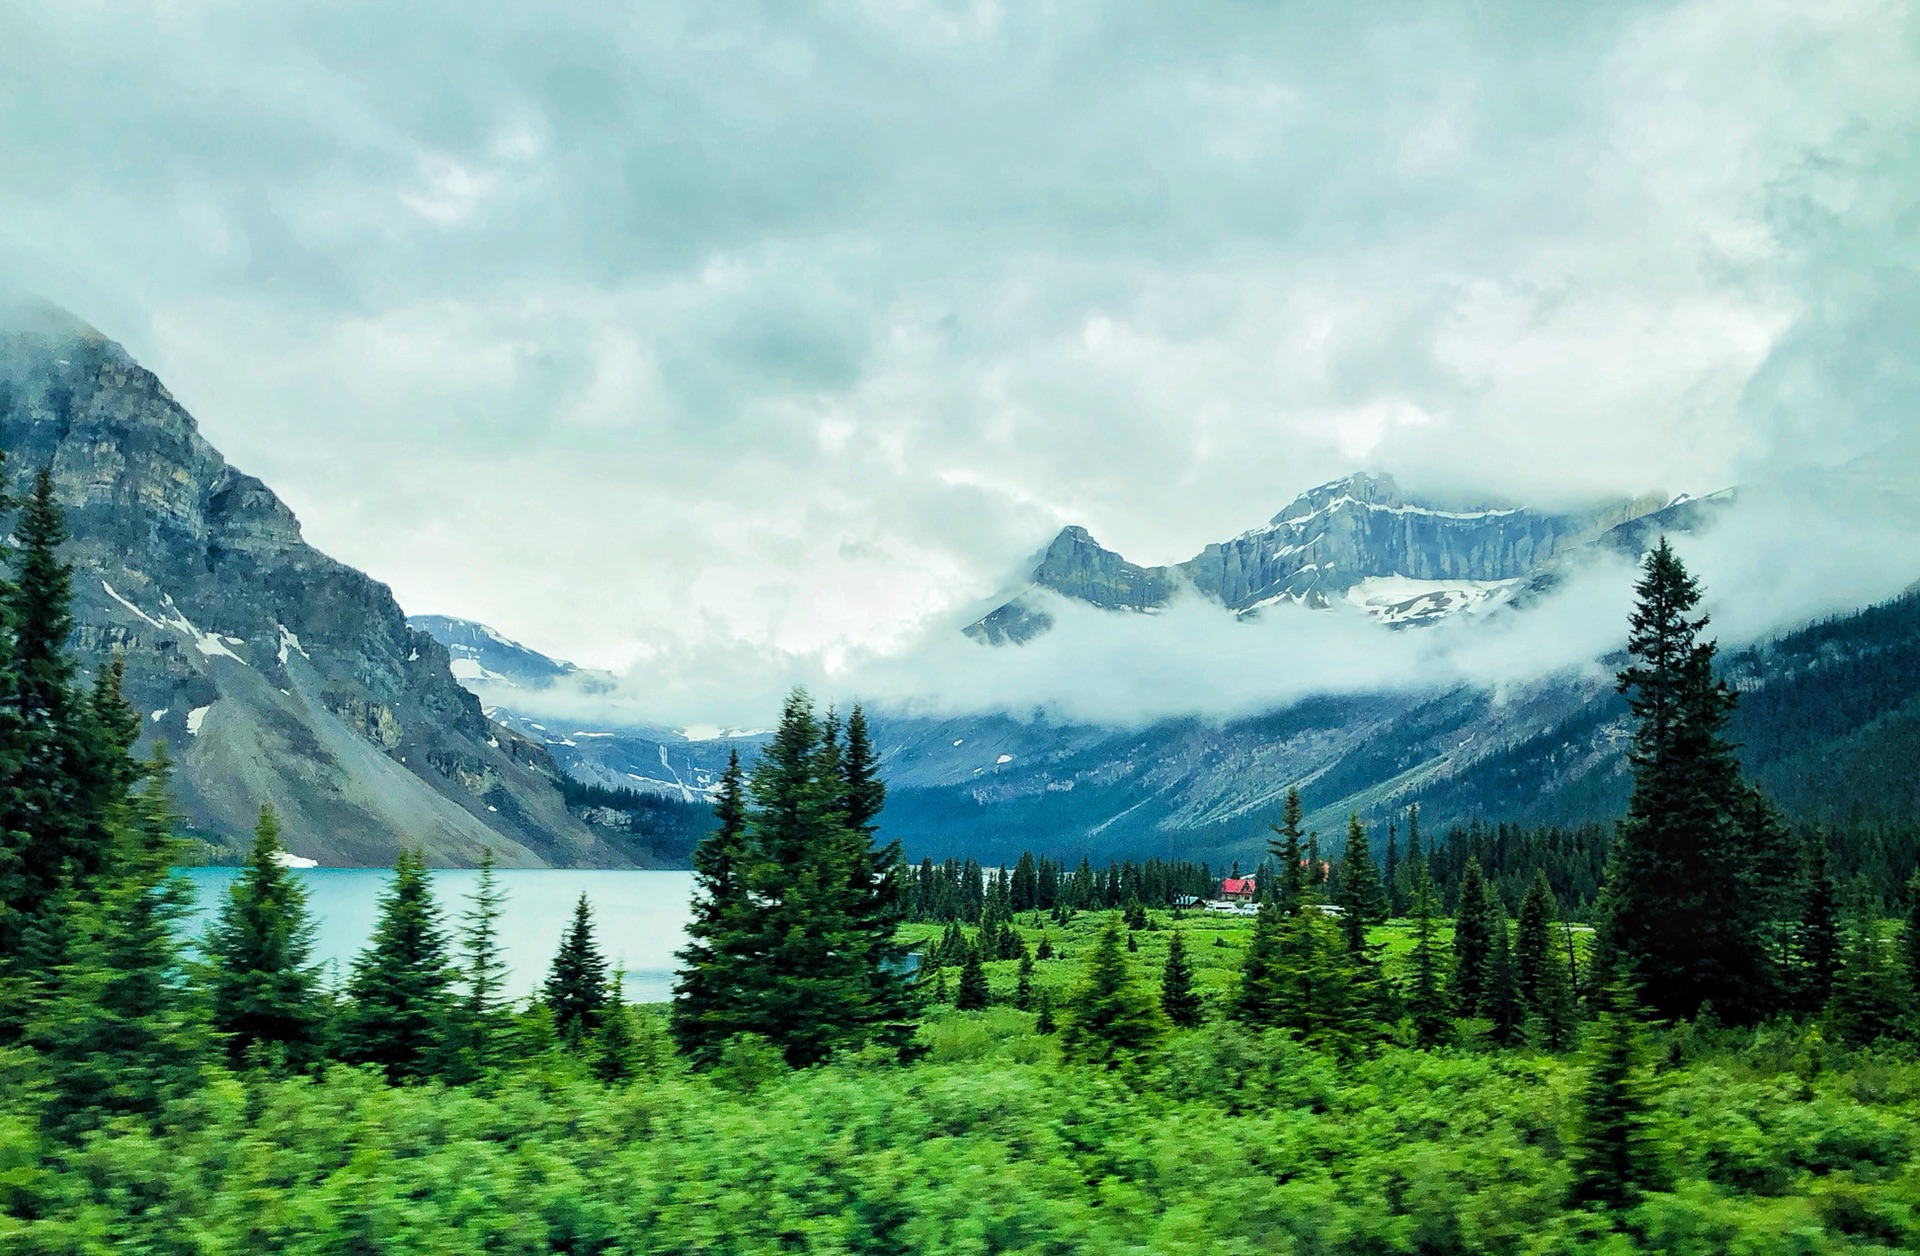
(1540, 974)
(1678, 903)
(1290, 891)
(264, 984)
(1871, 992)
(1178, 999)
(709, 995)
(1023, 984)
(1502, 1001)
(576, 986)
(1533, 949)
(399, 994)
(806, 955)
(1396, 900)
(1473, 926)
(1426, 996)
(876, 893)
(486, 971)
(1612, 1153)
(1043, 1019)
(1911, 935)
(616, 1046)
(1362, 901)
(1111, 1021)
(1325, 993)
(1817, 940)
(119, 1029)
(50, 844)
(1026, 883)
(106, 772)
(1414, 862)
(1045, 949)
(482, 1014)
(971, 994)
(1258, 998)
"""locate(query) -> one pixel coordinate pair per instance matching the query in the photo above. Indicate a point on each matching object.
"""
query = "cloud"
(721, 341)
(1782, 554)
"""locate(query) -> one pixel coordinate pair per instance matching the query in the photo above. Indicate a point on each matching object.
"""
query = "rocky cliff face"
(1359, 541)
(274, 673)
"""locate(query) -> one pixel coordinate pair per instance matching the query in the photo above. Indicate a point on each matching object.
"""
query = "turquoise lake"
(640, 917)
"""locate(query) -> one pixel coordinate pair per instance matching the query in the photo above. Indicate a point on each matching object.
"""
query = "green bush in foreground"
(1227, 1141)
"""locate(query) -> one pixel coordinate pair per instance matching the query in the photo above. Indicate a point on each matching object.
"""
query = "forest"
(1693, 1034)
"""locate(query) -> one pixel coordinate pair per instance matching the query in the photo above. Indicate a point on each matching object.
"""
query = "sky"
(723, 345)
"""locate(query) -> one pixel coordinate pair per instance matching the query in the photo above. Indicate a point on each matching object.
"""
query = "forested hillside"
(1828, 723)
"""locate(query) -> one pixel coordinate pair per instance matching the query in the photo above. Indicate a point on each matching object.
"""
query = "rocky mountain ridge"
(274, 673)
(1357, 542)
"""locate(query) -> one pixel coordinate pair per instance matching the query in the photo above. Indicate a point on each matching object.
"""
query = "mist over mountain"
(1447, 709)
(1358, 541)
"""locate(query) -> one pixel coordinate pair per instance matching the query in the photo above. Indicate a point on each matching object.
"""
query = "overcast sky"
(697, 337)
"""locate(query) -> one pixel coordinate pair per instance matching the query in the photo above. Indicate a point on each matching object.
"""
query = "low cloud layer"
(1782, 555)
(731, 345)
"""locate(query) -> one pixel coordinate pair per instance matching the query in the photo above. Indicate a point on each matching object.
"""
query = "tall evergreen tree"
(1290, 890)
(482, 1009)
(1023, 983)
(1540, 973)
(1111, 1021)
(804, 953)
(400, 992)
(1910, 936)
(1326, 995)
(1426, 994)
(50, 845)
(710, 992)
(1613, 1153)
(616, 1046)
(1396, 899)
(1871, 994)
(1678, 905)
(576, 986)
(1258, 996)
(107, 772)
(1178, 999)
(1473, 926)
(971, 994)
(1502, 1002)
(265, 987)
(1362, 900)
(120, 1030)
(1817, 940)
(1414, 859)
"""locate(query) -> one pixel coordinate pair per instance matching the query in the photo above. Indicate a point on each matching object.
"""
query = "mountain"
(516, 685)
(1828, 723)
(479, 654)
(1358, 542)
(274, 673)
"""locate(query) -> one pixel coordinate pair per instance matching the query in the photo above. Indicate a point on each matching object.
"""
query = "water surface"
(640, 917)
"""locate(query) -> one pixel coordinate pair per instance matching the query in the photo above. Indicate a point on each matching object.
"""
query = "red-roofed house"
(1238, 889)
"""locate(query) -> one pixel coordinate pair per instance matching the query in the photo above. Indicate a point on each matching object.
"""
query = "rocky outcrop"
(1358, 540)
(274, 673)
